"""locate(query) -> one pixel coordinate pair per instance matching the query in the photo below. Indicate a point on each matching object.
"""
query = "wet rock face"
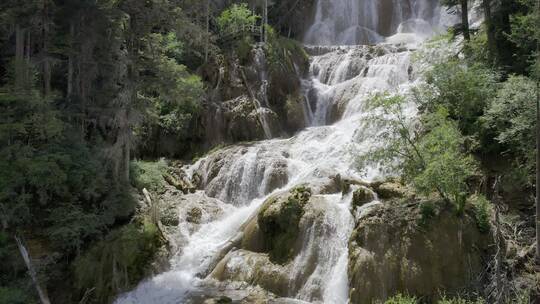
(389, 253)
(238, 174)
(248, 101)
(242, 119)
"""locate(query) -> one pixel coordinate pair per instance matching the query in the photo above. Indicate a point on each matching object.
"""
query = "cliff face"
(254, 98)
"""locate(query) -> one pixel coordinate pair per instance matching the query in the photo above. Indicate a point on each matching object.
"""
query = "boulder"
(254, 269)
(362, 196)
(390, 190)
(278, 221)
(390, 253)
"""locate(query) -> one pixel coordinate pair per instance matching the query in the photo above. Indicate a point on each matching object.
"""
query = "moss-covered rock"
(390, 253)
(279, 220)
(390, 190)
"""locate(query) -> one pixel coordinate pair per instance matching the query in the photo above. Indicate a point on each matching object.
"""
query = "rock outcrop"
(390, 252)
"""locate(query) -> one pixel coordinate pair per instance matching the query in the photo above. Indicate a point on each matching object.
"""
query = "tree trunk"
(46, 59)
(538, 171)
(70, 60)
(465, 19)
(499, 242)
(26, 257)
(19, 57)
(492, 43)
(126, 160)
(27, 74)
(538, 151)
(207, 31)
(265, 20)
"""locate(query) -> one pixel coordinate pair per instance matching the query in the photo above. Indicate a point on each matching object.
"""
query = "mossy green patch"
(279, 221)
(149, 175)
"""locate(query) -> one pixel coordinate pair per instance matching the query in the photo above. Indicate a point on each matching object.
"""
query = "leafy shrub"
(149, 175)
(9, 295)
(427, 211)
(117, 262)
(459, 300)
(401, 299)
(283, 53)
(445, 166)
(482, 211)
(463, 90)
(428, 154)
(512, 116)
(235, 18)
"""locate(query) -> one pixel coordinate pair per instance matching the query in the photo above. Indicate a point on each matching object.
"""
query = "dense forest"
(99, 99)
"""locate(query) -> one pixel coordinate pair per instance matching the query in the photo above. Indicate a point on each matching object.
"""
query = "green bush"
(401, 299)
(512, 116)
(445, 166)
(463, 90)
(427, 212)
(482, 211)
(235, 18)
(430, 155)
(459, 300)
(10, 295)
(117, 262)
(282, 53)
(149, 175)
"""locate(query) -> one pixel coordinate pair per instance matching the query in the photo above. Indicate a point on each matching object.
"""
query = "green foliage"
(427, 212)
(463, 90)
(525, 34)
(445, 166)
(236, 18)
(428, 154)
(459, 300)
(169, 91)
(243, 48)
(482, 212)
(401, 299)
(478, 48)
(283, 53)
(72, 226)
(512, 117)
(10, 295)
(149, 175)
(117, 262)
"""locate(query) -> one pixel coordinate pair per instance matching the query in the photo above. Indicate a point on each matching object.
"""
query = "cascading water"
(354, 22)
(241, 177)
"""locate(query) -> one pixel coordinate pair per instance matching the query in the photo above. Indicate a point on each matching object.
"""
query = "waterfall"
(353, 22)
(340, 82)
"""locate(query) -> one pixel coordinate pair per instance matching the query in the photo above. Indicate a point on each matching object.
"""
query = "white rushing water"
(353, 22)
(342, 78)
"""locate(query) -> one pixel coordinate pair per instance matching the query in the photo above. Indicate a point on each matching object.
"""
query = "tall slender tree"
(538, 134)
(464, 5)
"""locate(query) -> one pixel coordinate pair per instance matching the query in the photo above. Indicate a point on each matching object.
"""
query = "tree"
(236, 18)
(464, 90)
(537, 75)
(464, 4)
(428, 153)
(512, 117)
(490, 31)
